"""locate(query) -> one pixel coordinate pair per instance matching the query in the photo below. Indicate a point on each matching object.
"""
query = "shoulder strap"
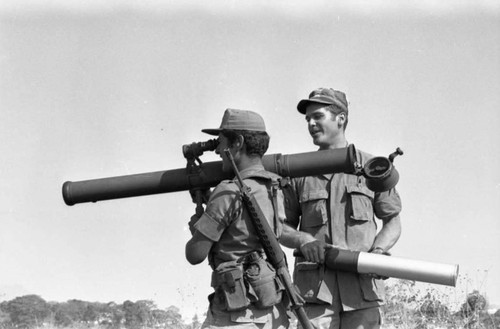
(272, 188)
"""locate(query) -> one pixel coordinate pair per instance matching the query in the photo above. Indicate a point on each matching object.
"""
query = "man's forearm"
(388, 235)
(291, 238)
(312, 250)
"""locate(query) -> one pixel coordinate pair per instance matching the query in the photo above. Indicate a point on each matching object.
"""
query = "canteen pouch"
(264, 286)
(227, 279)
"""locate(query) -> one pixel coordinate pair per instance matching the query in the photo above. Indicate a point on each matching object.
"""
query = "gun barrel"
(390, 266)
(209, 175)
(117, 187)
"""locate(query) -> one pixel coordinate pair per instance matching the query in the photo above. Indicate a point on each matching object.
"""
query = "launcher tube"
(210, 174)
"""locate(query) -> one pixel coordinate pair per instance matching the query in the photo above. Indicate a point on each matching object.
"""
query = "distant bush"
(25, 312)
(409, 307)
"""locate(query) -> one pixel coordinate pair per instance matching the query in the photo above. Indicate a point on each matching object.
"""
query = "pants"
(275, 317)
(328, 317)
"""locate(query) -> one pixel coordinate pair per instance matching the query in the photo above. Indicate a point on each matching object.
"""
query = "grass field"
(420, 306)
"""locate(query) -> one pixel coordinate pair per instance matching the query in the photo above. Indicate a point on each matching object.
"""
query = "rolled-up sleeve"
(220, 209)
(387, 205)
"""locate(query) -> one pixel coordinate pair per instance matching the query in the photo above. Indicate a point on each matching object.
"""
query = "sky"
(91, 90)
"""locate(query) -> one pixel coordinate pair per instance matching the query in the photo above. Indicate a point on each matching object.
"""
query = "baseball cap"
(324, 96)
(234, 119)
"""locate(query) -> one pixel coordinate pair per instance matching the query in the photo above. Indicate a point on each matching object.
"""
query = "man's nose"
(217, 149)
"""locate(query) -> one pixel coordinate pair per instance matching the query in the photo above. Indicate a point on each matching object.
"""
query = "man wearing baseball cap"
(339, 210)
(226, 236)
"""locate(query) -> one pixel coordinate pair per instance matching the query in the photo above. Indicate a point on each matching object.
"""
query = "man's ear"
(341, 118)
(240, 142)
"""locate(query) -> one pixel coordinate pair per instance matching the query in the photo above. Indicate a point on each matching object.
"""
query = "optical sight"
(194, 150)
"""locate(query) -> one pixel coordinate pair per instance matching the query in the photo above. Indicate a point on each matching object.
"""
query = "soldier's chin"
(316, 140)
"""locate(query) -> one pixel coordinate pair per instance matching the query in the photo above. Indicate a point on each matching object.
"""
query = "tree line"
(32, 311)
(406, 307)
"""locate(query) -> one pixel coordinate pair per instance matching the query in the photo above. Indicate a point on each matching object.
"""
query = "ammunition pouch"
(249, 281)
(227, 279)
(265, 289)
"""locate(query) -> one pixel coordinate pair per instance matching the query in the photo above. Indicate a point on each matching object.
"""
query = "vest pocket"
(314, 205)
(308, 277)
(361, 202)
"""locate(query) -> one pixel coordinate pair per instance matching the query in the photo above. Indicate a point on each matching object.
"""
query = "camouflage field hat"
(327, 96)
(239, 120)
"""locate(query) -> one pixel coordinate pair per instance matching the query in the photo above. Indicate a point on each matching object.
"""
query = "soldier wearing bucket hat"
(234, 119)
(242, 128)
(226, 235)
(340, 210)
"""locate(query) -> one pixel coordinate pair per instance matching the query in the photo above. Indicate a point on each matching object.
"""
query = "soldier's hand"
(379, 251)
(191, 223)
(202, 193)
(314, 250)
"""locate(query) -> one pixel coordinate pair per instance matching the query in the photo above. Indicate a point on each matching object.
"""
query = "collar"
(254, 171)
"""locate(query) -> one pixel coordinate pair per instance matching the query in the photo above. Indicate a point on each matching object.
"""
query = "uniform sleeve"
(292, 205)
(387, 205)
(221, 209)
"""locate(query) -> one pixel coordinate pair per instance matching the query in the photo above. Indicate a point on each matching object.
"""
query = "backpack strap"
(273, 183)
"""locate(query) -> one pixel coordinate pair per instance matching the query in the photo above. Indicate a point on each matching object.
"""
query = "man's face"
(322, 125)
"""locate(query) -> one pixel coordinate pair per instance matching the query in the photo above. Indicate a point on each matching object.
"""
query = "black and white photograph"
(249, 164)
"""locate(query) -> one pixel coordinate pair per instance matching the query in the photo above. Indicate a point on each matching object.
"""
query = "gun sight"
(194, 150)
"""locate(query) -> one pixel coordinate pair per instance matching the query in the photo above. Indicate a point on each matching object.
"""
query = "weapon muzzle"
(380, 173)
(66, 192)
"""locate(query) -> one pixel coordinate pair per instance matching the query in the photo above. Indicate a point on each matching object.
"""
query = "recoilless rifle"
(380, 174)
